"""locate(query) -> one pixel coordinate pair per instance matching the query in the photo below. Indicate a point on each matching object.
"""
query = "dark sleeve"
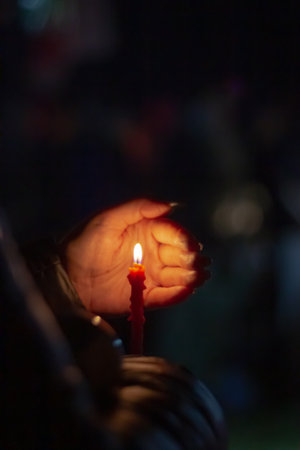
(94, 343)
(47, 400)
(45, 264)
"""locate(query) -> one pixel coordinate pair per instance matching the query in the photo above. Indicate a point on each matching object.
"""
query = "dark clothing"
(65, 384)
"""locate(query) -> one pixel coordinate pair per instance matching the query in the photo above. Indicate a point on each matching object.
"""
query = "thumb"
(134, 211)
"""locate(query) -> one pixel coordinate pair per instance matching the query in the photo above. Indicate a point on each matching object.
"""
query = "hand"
(98, 257)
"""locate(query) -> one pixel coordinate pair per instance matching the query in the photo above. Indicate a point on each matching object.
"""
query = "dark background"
(188, 101)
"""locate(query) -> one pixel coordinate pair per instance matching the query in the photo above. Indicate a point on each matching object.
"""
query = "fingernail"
(177, 204)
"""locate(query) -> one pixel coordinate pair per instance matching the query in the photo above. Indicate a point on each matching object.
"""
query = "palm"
(98, 260)
(115, 250)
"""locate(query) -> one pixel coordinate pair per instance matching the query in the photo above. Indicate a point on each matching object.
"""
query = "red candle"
(136, 278)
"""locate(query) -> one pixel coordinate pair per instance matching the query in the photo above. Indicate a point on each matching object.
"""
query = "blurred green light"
(31, 4)
(35, 14)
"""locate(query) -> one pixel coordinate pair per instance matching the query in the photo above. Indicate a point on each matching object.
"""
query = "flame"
(137, 253)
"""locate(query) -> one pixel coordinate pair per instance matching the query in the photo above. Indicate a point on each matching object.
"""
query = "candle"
(136, 278)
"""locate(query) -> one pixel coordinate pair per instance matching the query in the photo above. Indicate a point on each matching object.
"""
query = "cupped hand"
(98, 257)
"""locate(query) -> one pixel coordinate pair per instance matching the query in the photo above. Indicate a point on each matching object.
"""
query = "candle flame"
(137, 253)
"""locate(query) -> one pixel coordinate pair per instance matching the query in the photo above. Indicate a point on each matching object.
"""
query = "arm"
(152, 404)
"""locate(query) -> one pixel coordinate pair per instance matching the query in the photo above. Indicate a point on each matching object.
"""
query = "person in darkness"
(55, 341)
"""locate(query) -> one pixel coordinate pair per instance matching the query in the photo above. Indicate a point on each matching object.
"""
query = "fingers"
(134, 211)
(174, 276)
(176, 285)
(174, 256)
(168, 232)
(150, 209)
(165, 296)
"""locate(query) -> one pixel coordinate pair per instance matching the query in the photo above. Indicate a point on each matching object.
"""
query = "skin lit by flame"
(137, 253)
